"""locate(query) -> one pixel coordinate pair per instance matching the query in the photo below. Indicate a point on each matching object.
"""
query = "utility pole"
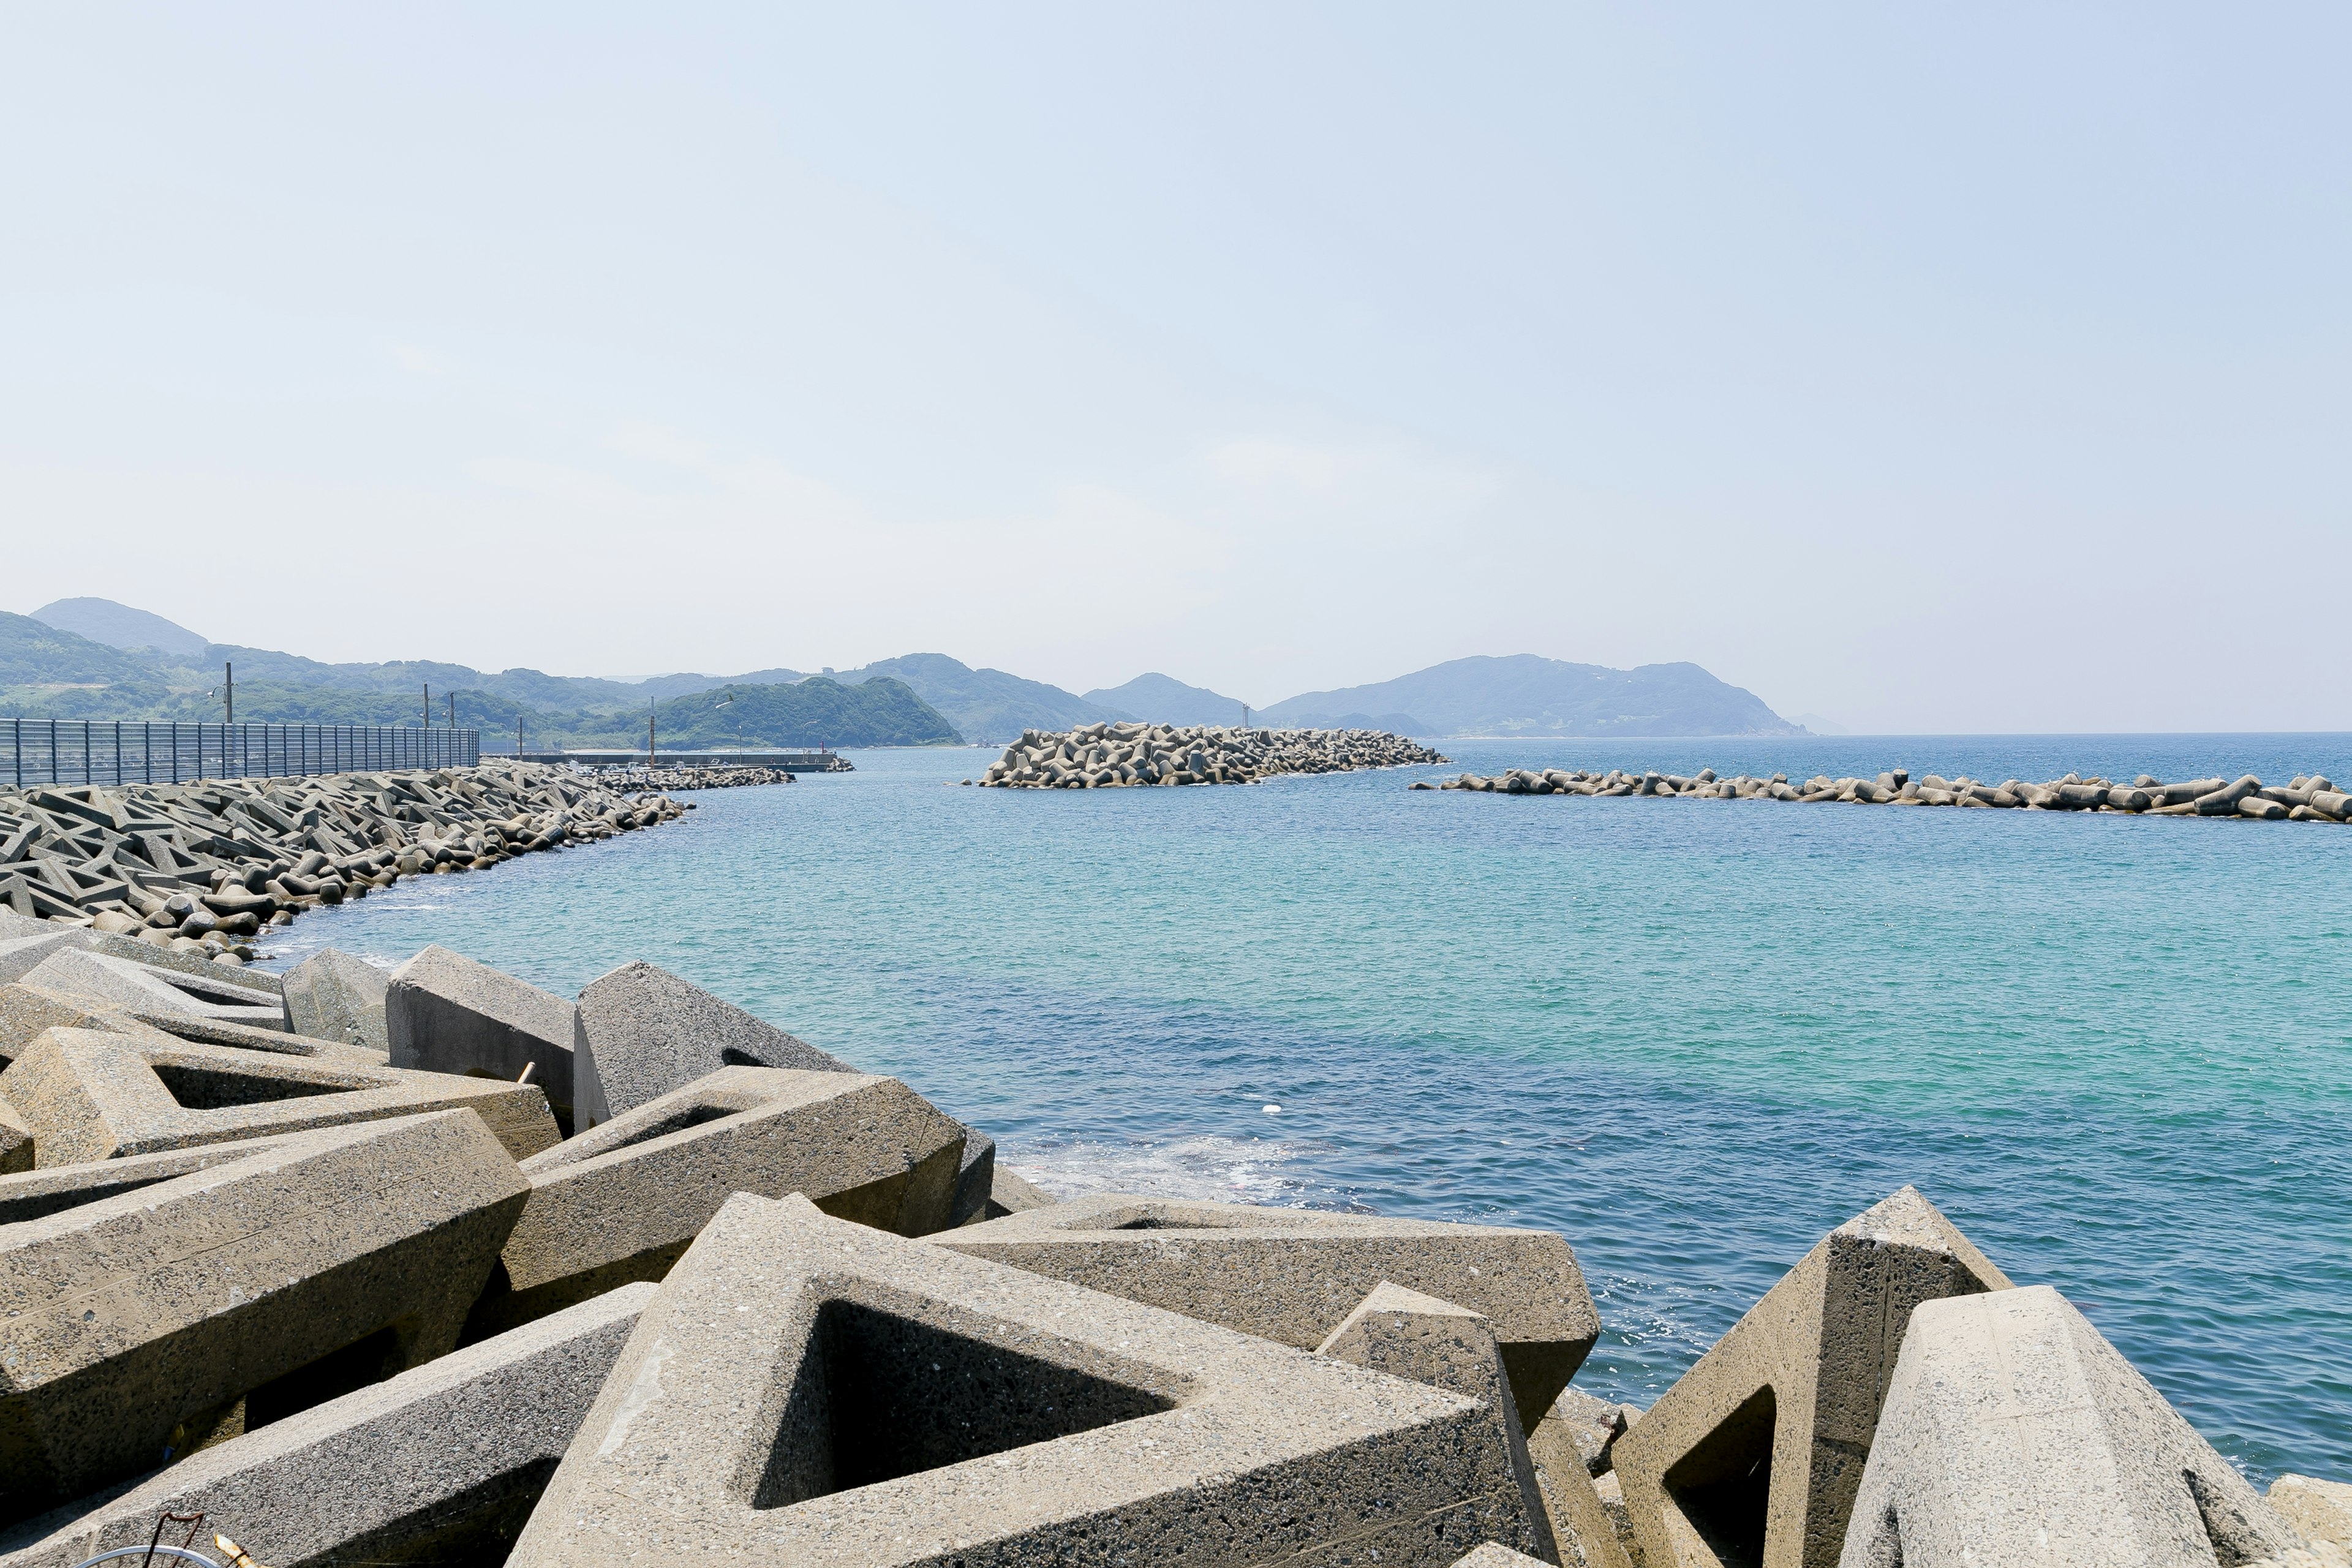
(453, 710)
(649, 734)
(428, 705)
(517, 735)
(228, 688)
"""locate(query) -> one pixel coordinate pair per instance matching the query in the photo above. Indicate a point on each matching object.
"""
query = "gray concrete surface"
(445, 1013)
(640, 1032)
(137, 1327)
(622, 1201)
(147, 987)
(1753, 1455)
(803, 1390)
(1407, 1334)
(1291, 1275)
(440, 1464)
(331, 996)
(2014, 1435)
(99, 1094)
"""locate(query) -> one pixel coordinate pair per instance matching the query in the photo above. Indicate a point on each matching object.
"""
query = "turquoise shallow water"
(1690, 1035)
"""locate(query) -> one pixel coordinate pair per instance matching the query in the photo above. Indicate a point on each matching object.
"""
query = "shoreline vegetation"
(1127, 756)
(2306, 798)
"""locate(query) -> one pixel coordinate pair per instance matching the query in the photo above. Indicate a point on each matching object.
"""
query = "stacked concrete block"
(804, 1389)
(43, 1191)
(2014, 1435)
(1010, 1192)
(441, 1463)
(2322, 1510)
(146, 987)
(92, 1094)
(640, 1033)
(22, 953)
(331, 996)
(1753, 1456)
(138, 1326)
(1407, 1334)
(621, 1202)
(27, 1010)
(1292, 1275)
(1571, 1449)
(445, 1013)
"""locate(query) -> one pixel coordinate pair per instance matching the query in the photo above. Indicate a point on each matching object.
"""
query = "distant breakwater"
(202, 868)
(694, 778)
(2308, 797)
(1113, 756)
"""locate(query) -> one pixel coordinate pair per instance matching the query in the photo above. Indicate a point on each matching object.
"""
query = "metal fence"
(78, 751)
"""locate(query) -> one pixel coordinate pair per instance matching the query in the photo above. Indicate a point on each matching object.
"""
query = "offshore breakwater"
(204, 868)
(2306, 798)
(1114, 757)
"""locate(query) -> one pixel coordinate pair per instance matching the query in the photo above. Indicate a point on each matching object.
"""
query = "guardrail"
(81, 751)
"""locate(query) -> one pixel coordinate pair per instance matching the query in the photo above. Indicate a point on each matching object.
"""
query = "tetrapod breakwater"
(1123, 756)
(2306, 798)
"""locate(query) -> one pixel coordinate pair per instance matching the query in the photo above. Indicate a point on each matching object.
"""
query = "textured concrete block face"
(622, 1201)
(1011, 1193)
(1407, 1334)
(220, 1301)
(1753, 1456)
(1577, 1432)
(2014, 1436)
(640, 1033)
(804, 1390)
(37, 1193)
(15, 1140)
(91, 1094)
(145, 988)
(437, 1465)
(2322, 1510)
(1291, 1275)
(445, 1013)
(1492, 1555)
(20, 955)
(331, 996)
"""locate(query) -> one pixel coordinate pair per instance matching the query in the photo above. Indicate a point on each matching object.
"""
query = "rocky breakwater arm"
(1106, 757)
(204, 866)
(2307, 797)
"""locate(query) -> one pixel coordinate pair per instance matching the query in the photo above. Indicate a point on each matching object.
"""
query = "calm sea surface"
(1690, 1035)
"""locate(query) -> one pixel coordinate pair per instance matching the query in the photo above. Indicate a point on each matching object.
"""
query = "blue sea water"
(1690, 1036)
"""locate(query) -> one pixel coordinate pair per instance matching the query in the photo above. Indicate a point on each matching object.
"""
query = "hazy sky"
(1929, 368)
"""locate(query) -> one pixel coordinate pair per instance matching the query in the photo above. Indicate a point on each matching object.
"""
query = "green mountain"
(33, 652)
(986, 704)
(1525, 695)
(818, 711)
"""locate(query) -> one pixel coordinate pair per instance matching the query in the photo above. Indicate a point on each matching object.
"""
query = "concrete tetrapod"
(152, 1320)
(27, 1010)
(440, 1464)
(1407, 1334)
(1753, 1455)
(146, 987)
(806, 1390)
(1493, 1555)
(92, 1094)
(640, 1032)
(2016, 1436)
(331, 996)
(622, 1201)
(1291, 1275)
(445, 1013)
(2322, 1510)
